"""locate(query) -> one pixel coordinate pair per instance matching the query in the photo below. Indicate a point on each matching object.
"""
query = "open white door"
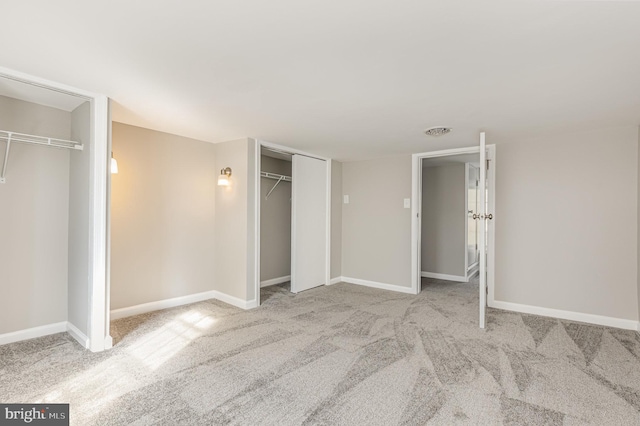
(482, 188)
(309, 223)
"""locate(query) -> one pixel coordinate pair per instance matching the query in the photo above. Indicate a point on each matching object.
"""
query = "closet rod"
(279, 179)
(275, 176)
(10, 137)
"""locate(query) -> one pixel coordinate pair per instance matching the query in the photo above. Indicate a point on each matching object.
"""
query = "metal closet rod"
(10, 137)
(277, 177)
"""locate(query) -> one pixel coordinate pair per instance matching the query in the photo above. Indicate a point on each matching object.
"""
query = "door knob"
(475, 216)
(489, 216)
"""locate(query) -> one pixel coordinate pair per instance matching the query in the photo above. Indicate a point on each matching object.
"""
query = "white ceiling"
(348, 79)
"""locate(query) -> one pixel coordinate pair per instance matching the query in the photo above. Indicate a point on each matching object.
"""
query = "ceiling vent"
(437, 131)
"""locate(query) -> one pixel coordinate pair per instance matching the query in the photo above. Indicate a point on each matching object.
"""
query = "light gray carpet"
(337, 355)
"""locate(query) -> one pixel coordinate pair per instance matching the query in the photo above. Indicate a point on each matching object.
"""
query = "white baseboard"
(235, 301)
(457, 278)
(335, 280)
(374, 284)
(78, 335)
(32, 333)
(275, 281)
(161, 304)
(567, 315)
(183, 300)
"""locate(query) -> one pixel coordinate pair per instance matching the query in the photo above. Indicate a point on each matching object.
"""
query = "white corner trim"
(32, 333)
(336, 280)
(78, 335)
(162, 304)
(567, 315)
(275, 281)
(375, 284)
(457, 278)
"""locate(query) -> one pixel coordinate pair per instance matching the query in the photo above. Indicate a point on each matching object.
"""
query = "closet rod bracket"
(6, 159)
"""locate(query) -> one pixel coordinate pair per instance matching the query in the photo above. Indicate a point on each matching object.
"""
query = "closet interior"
(450, 222)
(275, 217)
(45, 140)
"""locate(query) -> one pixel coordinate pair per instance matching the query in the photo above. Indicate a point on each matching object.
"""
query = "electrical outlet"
(407, 203)
(345, 199)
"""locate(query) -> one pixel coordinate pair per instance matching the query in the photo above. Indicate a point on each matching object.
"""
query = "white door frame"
(98, 338)
(258, 200)
(416, 213)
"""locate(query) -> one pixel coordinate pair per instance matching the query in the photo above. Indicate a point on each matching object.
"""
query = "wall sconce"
(114, 165)
(225, 176)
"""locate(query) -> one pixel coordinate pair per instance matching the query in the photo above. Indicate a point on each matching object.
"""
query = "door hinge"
(488, 163)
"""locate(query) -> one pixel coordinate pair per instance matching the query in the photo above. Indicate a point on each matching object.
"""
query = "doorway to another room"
(453, 226)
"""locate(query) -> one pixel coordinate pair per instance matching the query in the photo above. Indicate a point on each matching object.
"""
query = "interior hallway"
(342, 354)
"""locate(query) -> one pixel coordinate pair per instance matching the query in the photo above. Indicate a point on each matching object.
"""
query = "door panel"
(482, 246)
(309, 223)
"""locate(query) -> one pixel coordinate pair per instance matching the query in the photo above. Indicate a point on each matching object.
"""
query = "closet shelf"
(11, 137)
(277, 177)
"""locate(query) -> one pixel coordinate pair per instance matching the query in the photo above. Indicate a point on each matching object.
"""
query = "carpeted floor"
(342, 354)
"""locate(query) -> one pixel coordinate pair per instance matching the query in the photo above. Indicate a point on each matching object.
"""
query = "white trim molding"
(275, 281)
(567, 315)
(457, 278)
(375, 284)
(335, 280)
(32, 333)
(78, 335)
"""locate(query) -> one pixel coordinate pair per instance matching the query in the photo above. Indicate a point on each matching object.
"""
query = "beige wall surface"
(232, 224)
(336, 219)
(275, 221)
(376, 229)
(566, 222)
(79, 226)
(443, 219)
(638, 236)
(33, 219)
(163, 213)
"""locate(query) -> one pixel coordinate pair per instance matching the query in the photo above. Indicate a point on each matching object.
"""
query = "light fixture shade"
(114, 166)
(225, 177)
(223, 180)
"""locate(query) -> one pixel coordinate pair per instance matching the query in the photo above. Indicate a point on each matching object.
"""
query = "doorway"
(484, 221)
(293, 214)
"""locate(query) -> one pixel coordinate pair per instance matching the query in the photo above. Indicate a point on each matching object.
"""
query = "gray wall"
(336, 219)
(443, 219)
(232, 224)
(79, 202)
(566, 222)
(33, 219)
(275, 221)
(638, 225)
(163, 213)
(376, 229)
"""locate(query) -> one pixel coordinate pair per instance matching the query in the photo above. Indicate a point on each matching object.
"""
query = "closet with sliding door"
(45, 212)
(275, 218)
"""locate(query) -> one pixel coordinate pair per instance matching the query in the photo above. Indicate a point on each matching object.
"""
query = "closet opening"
(53, 193)
(292, 221)
(275, 222)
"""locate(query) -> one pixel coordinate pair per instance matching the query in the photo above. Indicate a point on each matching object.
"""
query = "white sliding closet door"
(309, 223)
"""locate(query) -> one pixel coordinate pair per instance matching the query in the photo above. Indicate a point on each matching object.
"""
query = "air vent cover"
(437, 131)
